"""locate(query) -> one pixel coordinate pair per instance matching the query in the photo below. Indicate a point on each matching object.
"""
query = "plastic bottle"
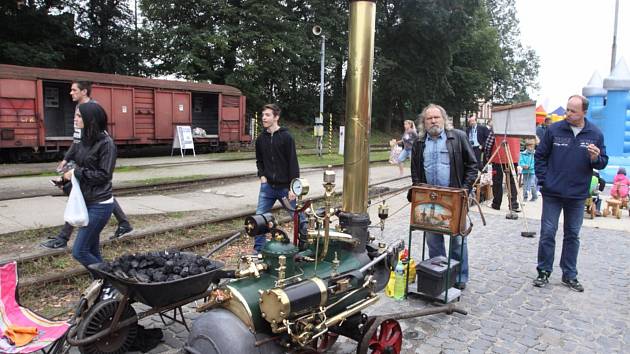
(399, 282)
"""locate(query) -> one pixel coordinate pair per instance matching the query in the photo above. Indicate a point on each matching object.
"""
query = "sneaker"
(542, 280)
(55, 243)
(533, 199)
(573, 284)
(121, 230)
(495, 207)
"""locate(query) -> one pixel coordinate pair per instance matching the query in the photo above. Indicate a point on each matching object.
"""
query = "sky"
(572, 38)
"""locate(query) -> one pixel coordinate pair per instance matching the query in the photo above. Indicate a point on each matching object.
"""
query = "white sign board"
(515, 120)
(183, 139)
(342, 137)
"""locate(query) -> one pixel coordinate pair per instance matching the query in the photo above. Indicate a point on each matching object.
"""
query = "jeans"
(266, 198)
(573, 216)
(435, 242)
(529, 185)
(86, 247)
(119, 214)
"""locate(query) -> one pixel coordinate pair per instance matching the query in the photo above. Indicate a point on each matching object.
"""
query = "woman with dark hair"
(95, 158)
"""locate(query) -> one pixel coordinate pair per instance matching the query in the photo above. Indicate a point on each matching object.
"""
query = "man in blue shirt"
(443, 157)
(564, 160)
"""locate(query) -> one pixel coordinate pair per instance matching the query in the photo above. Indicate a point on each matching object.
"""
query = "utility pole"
(614, 44)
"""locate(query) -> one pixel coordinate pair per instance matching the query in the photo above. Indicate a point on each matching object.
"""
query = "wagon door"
(230, 120)
(171, 109)
(18, 123)
(163, 115)
(122, 113)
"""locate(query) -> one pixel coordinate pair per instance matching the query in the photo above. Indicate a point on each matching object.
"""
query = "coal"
(158, 267)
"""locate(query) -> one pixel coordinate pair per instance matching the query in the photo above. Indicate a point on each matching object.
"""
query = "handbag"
(76, 213)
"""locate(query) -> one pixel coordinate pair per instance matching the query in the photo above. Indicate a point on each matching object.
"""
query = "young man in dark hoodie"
(564, 161)
(277, 163)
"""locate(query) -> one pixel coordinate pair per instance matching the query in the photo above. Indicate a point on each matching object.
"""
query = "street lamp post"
(319, 121)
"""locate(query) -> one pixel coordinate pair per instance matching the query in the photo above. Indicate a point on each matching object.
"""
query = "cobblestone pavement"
(506, 314)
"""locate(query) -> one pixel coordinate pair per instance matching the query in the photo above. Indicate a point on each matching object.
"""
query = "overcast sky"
(573, 38)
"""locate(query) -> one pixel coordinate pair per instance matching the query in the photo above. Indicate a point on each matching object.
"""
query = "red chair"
(51, 334)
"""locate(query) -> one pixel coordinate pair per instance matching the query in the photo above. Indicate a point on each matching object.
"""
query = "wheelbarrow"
(109, 326)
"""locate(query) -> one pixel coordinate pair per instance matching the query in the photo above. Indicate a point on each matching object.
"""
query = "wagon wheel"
(100, 318)
(383, 336)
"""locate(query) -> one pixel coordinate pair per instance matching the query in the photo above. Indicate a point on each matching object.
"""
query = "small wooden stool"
(613, 207)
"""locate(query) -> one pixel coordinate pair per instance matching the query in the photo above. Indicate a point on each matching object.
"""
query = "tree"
(37, 33)
(518, 69)
(416, 57)
(264, 48)
(108, 40)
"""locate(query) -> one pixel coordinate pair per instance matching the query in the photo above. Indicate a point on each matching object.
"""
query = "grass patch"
(304, 139)
(334, 159)
(126, 169)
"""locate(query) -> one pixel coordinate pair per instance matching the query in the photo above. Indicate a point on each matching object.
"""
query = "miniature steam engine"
(297, 294)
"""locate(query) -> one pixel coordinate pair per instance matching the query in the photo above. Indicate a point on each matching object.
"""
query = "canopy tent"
(540, 114)
(559, 111)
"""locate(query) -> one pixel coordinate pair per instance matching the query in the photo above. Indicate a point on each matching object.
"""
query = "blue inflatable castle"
(610, 111)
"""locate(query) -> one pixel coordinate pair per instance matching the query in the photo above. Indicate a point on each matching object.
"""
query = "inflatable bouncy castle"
(610, 111)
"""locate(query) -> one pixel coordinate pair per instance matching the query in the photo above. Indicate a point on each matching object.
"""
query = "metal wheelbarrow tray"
(163, 293)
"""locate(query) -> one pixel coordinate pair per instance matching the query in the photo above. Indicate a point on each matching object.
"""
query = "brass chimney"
(358, 106)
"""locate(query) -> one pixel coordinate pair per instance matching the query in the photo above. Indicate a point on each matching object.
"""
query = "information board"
(183, 139)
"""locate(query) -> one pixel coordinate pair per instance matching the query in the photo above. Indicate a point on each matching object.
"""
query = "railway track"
(45, 168)
(37, 277)
(159, 186)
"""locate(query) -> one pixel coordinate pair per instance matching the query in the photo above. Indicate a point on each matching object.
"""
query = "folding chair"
(51, 334)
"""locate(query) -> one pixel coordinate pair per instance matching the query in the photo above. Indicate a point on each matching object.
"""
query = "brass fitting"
(282, 261)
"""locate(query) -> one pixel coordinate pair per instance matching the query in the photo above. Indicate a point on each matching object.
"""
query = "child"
(620, 185)
(526, 162)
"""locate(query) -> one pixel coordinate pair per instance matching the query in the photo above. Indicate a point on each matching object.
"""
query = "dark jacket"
(276, 158)
(461, 157)
(563, 164)
(95, 168)
(482, 134)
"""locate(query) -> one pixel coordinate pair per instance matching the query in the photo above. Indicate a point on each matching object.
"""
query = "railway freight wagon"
(37, 112)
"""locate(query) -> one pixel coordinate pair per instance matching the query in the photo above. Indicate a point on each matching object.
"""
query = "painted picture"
(432, 216)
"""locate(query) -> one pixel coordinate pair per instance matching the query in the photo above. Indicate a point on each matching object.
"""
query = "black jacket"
(276, 158)
(482, 135)
(94, 168)
(461, 157)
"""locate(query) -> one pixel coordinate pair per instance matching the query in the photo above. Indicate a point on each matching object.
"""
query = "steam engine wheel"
(383, 336)
(100, 318)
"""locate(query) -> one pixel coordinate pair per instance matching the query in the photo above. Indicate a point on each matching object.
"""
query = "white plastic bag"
(76, 213)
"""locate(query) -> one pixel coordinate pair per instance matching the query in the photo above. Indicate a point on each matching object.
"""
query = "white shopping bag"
(76, 213)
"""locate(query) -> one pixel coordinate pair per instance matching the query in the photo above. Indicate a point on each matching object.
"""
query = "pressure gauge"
(299, 186)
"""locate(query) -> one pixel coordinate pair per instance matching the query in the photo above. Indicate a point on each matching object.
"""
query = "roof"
(33, 73)
(559, 111)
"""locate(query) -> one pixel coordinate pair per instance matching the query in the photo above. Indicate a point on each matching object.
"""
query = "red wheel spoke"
(388, 336)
